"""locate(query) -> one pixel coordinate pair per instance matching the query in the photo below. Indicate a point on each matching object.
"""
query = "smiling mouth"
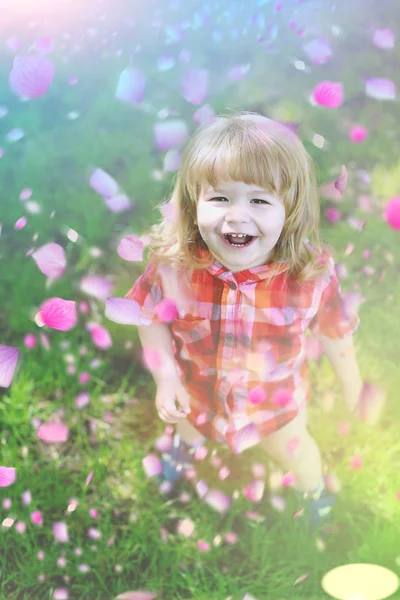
(238, 242)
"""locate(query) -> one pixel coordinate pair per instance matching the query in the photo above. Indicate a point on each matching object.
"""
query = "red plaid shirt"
(240, 331)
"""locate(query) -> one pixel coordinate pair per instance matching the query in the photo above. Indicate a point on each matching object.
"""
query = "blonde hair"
(256, 150)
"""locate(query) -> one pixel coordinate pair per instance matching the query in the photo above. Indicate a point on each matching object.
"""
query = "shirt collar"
(247, 275)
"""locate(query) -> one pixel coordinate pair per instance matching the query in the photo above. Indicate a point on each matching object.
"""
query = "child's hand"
(169, 390)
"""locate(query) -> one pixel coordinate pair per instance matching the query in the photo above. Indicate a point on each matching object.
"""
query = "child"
(232, 349)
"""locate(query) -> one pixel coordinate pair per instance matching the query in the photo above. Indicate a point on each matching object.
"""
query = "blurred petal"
(96, 286)
(319, 50)
(31, 75)
(169, 134)
(218, 501)
(60, 531)
(328, 94)
(7, 476)
(131, 248)
(195, 85)
(103, 183)
(383, 38)
(380, 88)
(8, 363)
(136, 596)
(131, 86)
(50, 259)
(152, 465)
(119, 203)
(101, 337)
(123, 310)
(53, 433)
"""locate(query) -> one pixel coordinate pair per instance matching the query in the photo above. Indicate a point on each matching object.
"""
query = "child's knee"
(289, 443)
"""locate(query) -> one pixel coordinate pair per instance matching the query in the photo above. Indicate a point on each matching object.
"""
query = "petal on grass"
(58, 314)
(50, 259)
(53, 433)
(138, 595)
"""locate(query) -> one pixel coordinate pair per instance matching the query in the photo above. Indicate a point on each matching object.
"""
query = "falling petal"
(152, 465)
(31, 76)
(58, 314)
(288, 479)
(37, 517)
(89, 478)
(103, 183)
(44, 45)
(25, 194)
(13, 43)
(50, 259)
(60, 531)
(319, 51)
(131, 85)
(60, 594)
(328, 94)
(255, 491)
(356, 461)
(383, 38)
(82, 400)
(165, 63)
(172, 160)
(123, 311)
(101, 337)
(238, 72)
(131, 248)
(7, 476)
(169, 134)
(341, 181)
(167, 310)
(15, 135)
(8, 363)
(119, 203)
(278, 503)
(392, 213)
(204, 115)
(246, 437)
(195, 85)
(380, 88)
(358, 134)
(96, 286)
(218, 501)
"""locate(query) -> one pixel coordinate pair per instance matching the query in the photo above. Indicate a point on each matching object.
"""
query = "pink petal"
(37, 517)
(356, 461)
(238, 72)
(8, 363)
(96, 286)
(7, 476)
(392, 213)
(123, 310)
(44, 45)
(380, 88)
(201, 488)
(60, 531)
(218, 501)
(25, 194)
(119, 203)
(383, 38)
(103, 183)
(26, 498)
(101, 337)
(169, 134)
(152, 465)
(131, 248)
(60, 594)
(358, 134)
(172, 160)
(131, 85)
(319, 50)
(204, 115)
(20, 223)
(185, 527)
(341, 181)
(194, 85)
(246, 437)
(136, 596)
(58, 314)
(31, 76)
(255, 491)
(257, 395)
(288, 479)
(82, 400)
(50, 259)
(53, 433)
(328, 94)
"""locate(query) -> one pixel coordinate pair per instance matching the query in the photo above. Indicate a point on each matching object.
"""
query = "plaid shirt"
(240, 331)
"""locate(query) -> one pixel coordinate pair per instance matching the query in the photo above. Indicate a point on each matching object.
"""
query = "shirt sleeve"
(147, 291)
(334, 317)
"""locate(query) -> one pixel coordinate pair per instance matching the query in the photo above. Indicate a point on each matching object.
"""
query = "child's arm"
(341, 355)
(159, 337)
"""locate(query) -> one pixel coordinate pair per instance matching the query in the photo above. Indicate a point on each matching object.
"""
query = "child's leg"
(305, 461)
(188, 433)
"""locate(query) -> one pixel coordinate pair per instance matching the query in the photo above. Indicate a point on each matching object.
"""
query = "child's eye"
(256, 199)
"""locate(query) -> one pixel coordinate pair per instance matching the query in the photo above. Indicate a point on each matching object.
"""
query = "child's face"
(235, 207)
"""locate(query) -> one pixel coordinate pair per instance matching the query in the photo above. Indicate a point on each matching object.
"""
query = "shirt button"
(230, 337)
(232, 285)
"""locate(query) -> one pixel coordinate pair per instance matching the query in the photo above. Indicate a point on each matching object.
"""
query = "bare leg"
(305, 462)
